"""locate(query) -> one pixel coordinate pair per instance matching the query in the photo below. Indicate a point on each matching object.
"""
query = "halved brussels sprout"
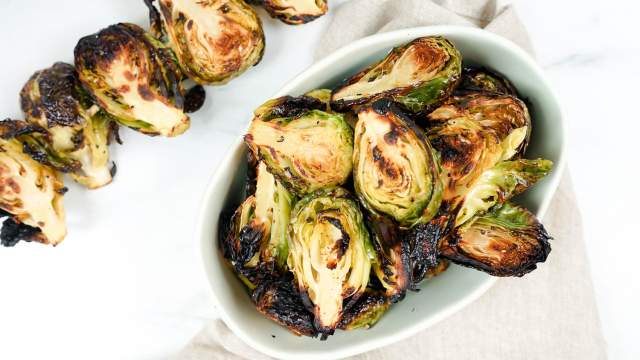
(507, 241)
(365, 312)
(305, 149)
(479, 79)
(393, 266)
(472, 133)
(296, 12)
(330, 253)
(255, 240)
(499, 184)
(423, 241)
(77, 130)
(214, 40)
(135, 78)
(418, 75)
(31, 194)
(394, 168)
(279, 300)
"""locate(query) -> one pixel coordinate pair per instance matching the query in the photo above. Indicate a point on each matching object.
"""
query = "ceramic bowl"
(439, 297)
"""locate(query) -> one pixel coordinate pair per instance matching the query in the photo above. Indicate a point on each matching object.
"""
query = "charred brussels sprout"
(135, 78)
(295, 12)
(330, 254)
(507, 241)
(418, 75)
(499, 184)
(279, 300)
(214, 40)
(393, 266)
(394, 168)
(473, 133)
(475, 79)
(255, 240)
(305, 149)
(77, 131)
(30, 195)
(365, 312)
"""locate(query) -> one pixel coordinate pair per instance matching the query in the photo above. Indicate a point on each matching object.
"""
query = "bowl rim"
(298, 80)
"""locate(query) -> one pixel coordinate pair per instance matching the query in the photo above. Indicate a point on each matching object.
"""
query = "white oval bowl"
(439, 297)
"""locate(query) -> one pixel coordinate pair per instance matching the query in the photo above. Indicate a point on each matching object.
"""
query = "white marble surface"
(128, 283)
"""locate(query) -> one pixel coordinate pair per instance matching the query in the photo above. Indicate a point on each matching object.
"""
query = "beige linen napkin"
(548, 314)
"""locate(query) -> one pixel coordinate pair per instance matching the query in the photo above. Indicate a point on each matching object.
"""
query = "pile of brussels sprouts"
(122, 75)
(357, 194)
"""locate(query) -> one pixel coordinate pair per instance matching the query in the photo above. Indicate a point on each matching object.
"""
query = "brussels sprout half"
(305, 149)
(480, 79)
(133, 77)
(77, 130)
(394, 168)
(330, 254)
(365, 312)
(499, 184)
(418, 75)
(473, 133)
(214, 41)
(507, 241)
(279, 300)
(30, 194)
(296, 12)
(255, 240)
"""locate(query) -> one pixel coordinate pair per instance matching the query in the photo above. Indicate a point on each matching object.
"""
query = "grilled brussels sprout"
(507, 241)
(473, 133)
(279, 300)
(423, 241)
(214, 40)
(31, 194)
(77, 130)
(499, 184)
(295, 12)
(305, 149)
(475, 79)
(330, 254)
(255, 240)
(393, 266)
(394, 168)
(418, 75)
(135, 78)
(365, 312)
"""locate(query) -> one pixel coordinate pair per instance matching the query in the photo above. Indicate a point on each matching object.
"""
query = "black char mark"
(194, 99)
(424, 240)
(13, 231)
(294, 106)
(341, 244)
(278, 299)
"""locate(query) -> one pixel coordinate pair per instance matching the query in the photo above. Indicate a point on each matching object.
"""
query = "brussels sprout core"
(418, 75)
(395, 172)
(330, 253)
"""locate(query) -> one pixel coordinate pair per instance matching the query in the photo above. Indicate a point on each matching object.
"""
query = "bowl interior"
(438, 297)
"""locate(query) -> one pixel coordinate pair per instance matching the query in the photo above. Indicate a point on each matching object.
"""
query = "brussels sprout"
(77, 130)
(499, 184)
(473, 133)
(394, 169)
(255, 240)
(135, 78)
(418, 75)
(214, 41)
(295, 12)
(477, 79)
(330, 254)
(423, 241)
(305, 149)
(31, 194)
(393, 266)
(279, 300)
(507, 241)
(365, 312)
